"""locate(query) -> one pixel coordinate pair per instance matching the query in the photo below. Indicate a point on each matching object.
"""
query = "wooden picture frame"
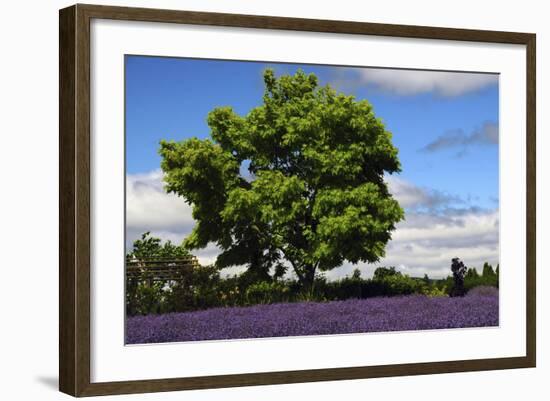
(75, 206)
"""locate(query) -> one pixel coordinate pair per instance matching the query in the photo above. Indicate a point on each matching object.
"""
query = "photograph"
(309, 197)
(269, 199)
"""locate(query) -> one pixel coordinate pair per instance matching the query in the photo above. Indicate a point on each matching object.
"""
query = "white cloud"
(487, 134)
(433, 233)
(425, 242)
(148, 205)
(471, 236)
(413, 82)
(166, 216)
(414, 197)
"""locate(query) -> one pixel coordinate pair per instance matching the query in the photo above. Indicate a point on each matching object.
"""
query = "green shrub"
(267, 293)
(198, 290)
(471, 280)
(382, 272)
(345, 288)
(203, 287)
(146, 298)
(487, 281)
(435, 291)
(400, 285)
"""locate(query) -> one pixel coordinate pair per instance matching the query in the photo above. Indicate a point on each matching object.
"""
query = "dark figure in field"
(459, 270)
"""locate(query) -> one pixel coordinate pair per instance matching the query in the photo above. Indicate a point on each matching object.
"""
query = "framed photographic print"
(250, 200)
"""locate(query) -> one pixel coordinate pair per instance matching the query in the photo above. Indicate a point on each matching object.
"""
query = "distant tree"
(356, 274)
(488, 270)
(314, 194)
(383, 272)
(426, 279)
(149, 247)
(459, 271)
(472, 273)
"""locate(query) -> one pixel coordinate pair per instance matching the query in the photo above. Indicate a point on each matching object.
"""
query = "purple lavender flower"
(414, 312)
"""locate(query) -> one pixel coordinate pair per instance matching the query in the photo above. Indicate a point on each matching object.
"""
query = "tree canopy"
(297, 181)
(487, 270)
(382, 272)
(151, 247)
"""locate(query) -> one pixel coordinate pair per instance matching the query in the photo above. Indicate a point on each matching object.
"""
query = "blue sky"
(444, 124)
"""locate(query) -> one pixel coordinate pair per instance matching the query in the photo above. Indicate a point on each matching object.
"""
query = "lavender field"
(414, 312)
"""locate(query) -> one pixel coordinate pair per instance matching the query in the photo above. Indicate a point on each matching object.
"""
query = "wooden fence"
(160, 269)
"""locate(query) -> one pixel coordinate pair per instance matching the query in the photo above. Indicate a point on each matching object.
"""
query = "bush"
(345, 288)
(435, 291)
(267, 293)
(198, 291)
(486, 281)
(203, 287)
(400, 285)
(383, 272)
(146, 298)
(470, 282)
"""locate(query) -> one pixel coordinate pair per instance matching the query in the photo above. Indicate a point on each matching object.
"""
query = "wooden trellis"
(160, 269)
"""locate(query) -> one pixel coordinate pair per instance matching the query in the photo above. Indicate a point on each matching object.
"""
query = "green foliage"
(488, 271)
(490, 281)
(472, 279)
(488, 278)
(199, 291)
(315, 193)
(471, 273)
(435, 291)
(144, 298)
(399, 284)
(382, 272)
(267, 293)
(385, 282)
(426, 279)
(150, 247)
(347, 287)
(150, 297)
(205, 288)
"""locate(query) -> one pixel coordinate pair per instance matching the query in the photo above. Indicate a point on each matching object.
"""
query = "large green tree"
(299, 179)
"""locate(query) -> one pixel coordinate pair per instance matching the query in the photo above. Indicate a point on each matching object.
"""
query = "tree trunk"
(306, 275)
(308, 279)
